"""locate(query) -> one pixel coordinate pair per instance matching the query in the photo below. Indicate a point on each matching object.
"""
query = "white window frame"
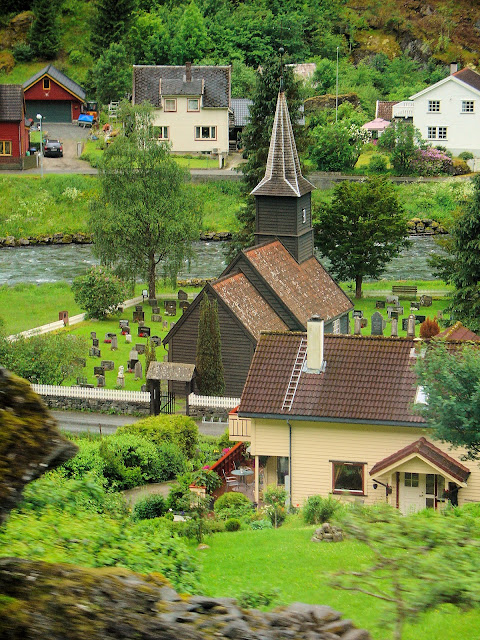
(197, 100)
(442, 133)
(304, 216)
(434, 106)
(466, 104)
(198, 132)
(336, 326)
(431, 133)
(437, 133)
(163, 130)
(166, 107)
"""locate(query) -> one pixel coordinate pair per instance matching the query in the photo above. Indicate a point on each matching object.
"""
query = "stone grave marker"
(93, 335)
(170, 307)
(95, 342)
(165, 324)
(138, 315)
(420, 319)
(98, 371)
(376, 324)
(143, 332)
(94, 352)
(182, 295)
(156, 310)
(156, 341)
(143, 388)
(172, 324)
(392, 300)
(100, 381)
(114, 345)
(414, 306)
(363, 323)
(380, 304)
(133, 355)
(140, 349)
(123, 322)
(394, 315)
(156, 317)
(138, 308)
(128, 338)
(109, 335)
(389, 311)
(357, 313)
(357, 325)
(120, 377)
(125, 331)
(141, 323)
(394, 329)
(138, 370)
(411, 326)
(152, 302)
(108, 365)
(399, 310)
(404, 324)
(426, 301)
(184, 304)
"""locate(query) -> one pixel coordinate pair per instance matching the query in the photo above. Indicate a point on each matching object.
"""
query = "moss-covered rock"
(29, 441)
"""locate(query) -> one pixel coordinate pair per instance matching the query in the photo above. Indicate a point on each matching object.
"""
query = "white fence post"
(95, 393)
(216, 402)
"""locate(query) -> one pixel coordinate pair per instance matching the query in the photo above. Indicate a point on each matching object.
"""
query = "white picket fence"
(95, 393)
(215, 402)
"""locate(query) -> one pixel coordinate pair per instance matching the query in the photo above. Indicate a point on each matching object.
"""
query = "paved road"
(82, 421)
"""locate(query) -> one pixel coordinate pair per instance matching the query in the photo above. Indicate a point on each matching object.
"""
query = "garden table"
(242, 474)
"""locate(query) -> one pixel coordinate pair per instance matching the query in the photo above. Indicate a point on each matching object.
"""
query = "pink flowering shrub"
(431, 162)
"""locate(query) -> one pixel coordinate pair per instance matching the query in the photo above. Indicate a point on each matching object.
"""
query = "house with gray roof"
(54, 95)
(191, 103)
(13, 131)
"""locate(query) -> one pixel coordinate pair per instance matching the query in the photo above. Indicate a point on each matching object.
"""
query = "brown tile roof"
(384, 109)
(283, 176)
(248, 305)
(458, 332)
(307, 289)
(470, 77)
(367, 378)
(11, 102)
(429, 452)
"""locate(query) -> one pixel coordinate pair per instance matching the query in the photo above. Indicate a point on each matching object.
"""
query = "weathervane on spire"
(281, 51)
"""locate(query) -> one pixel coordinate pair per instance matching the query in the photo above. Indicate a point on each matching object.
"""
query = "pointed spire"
(283, 176)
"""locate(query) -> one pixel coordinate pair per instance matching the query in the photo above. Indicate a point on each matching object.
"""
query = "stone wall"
(208, 413)
(98, 406)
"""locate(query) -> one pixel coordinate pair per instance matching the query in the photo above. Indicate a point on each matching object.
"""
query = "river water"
(64, 262)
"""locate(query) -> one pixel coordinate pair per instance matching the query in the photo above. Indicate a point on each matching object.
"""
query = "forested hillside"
(387, 48)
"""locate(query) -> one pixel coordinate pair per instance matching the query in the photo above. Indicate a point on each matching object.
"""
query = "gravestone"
(123, 323)
(98, 371)
(128, 338)
(94, 352)
(394, 329)
(363, 323)
(138, 315)
(156, 317)
(156, 310)
(133, 355)
(357, 313)
(414, 306)
(165, 324)
(100, 381)
(399, 310)
(357, 326)
(125, 331)
(138, 371)
(108, 365)
(152, 302)
(420, 319)
(426, 301)
(170, 307)
(114, 345)
(93, 335)
(143, 388)
(377, 324)
(380, 304)
(141, 323)
(184, 304)
(138, 308)
(394, 315)
(143, 332)
(411, 326)
(389, 311)
(95, 342)
(172, 324)
(120, 377)
(140, 349)
(182, 295)
(404, 324)
(392, 300)
(156, 341)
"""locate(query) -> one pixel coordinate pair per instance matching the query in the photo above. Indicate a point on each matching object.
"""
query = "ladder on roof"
(295, 377)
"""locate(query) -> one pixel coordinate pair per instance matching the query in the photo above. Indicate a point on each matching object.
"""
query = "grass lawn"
(252, 561)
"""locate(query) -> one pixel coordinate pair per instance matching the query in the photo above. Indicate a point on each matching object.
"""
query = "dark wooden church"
(276, 285)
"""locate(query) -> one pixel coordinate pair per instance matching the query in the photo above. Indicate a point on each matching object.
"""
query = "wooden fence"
(215, 402)
(95, 393)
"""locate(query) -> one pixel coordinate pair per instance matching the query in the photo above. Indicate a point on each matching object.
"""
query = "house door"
(412, 492)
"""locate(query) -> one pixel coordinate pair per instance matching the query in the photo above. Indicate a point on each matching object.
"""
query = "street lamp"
(39, 117)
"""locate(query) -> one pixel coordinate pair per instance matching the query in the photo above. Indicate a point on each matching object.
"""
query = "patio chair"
(231, 481)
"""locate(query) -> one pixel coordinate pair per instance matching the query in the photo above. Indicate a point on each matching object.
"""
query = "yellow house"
(192, 105)
(334, 414)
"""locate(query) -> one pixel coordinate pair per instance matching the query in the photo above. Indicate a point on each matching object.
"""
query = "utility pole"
(336, 92)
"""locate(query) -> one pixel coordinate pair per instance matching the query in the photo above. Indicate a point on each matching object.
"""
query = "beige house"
(335, 414)
(192, 105)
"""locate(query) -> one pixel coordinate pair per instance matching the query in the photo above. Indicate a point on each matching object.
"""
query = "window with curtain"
(348, 477)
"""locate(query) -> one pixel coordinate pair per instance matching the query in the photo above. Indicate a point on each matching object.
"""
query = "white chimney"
(315, 331)
(453, 68)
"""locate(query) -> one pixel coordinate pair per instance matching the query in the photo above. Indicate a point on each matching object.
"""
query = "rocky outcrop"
(319, 103)
(327, 533)
(56, 238)
(425, 226)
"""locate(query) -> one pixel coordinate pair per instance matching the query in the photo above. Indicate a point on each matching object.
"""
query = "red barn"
(13, 132)
(54, 95)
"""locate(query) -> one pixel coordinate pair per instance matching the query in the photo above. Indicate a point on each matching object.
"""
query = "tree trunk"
(358, 286)
(151, 275)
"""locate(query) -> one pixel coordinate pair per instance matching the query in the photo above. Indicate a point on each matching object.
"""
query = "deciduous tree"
(210, 379)
(362, 229)
(145, 214)
(111, 23)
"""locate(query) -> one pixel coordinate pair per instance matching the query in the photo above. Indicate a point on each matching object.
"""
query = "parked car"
(53, 148)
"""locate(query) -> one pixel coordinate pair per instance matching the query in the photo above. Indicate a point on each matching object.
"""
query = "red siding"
(56, 92)
(13, 131)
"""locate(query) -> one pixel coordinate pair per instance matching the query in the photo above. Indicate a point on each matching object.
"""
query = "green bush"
(256, 599)
(233, 524)
(150, 507)
(317, 510)
(99, 292)
(232, 505)
(466, 155)
(179, 497)
(208, 479)
(275, 498)
(377, 164)
(22, 52)
(264, 523)
(180, 430)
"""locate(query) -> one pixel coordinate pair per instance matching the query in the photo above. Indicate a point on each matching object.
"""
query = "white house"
(448, 112)
(192, 105)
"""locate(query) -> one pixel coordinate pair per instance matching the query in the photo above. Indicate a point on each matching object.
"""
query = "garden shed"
(54, 95)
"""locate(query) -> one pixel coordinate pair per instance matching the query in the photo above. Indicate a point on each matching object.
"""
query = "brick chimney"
(188, 72)
(453, 68)
(315, 333)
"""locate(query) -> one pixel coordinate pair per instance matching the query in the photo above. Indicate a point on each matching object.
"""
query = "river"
(52, 263)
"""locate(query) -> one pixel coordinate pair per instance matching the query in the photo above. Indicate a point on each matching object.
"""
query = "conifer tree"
(150, 355)
(44, 33)
(210, 378)
(111, 23)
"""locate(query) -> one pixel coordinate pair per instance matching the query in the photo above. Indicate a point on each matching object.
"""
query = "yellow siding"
(315, 445)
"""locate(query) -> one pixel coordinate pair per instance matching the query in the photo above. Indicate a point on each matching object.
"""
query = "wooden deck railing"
(239, 428)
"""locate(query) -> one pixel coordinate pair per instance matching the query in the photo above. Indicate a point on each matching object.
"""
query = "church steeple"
(283, 196)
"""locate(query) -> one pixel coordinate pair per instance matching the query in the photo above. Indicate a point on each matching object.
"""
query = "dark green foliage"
(403, 141)
(233, 524)
(43, 359)
(153, 506)
(99, 292)
(149, 40)
(377, 164)
(44, 34)
(179, 497)
(275, 498)
(264, 523)
(108, 86)
(256, 599)
(337, 147)
(208, 479)
(466, 155)
(461, 266)
(362, 229)
(232, 505)
(23, 52)
(210, 379)
(177, 429)
(111, 23)
(191, 40)
(318, 510)
(451, 381)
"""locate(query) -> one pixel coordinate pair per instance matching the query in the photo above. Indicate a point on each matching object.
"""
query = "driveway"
(69, 135)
